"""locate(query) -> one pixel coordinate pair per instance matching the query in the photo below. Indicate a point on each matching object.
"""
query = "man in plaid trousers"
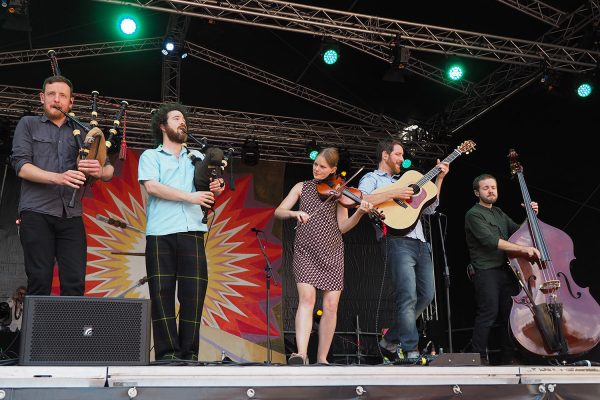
(175, 254)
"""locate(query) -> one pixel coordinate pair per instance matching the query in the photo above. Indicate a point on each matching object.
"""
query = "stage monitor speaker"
(63, 330)
(456, 360)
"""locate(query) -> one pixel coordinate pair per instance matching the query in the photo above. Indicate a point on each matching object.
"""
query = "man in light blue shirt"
(408, 254)
(175, 235)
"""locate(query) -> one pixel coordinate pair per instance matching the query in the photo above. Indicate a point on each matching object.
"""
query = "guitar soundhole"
(416, 189)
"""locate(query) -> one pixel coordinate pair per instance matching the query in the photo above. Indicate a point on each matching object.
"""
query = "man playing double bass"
(487, 230)
(44, 156)
(175, 235)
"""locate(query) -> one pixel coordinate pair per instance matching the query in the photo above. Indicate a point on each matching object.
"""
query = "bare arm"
(160, 190)
(345, 223)
(516, 250)
(35, 174)
(284, 211)
(403, 193)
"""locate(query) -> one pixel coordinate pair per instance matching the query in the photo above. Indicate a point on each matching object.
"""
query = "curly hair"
(159, 117)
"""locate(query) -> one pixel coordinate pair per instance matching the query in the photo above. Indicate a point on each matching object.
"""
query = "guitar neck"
(435, 170)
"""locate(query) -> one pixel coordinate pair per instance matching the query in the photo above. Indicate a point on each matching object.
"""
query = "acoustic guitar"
(403, 215)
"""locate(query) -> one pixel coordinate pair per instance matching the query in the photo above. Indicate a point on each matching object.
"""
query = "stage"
(299, 382)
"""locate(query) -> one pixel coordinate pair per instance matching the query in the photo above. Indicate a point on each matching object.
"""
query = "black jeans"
(493, 290)
(46, 238)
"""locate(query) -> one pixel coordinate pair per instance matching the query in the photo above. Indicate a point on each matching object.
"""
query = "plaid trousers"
(176, 260)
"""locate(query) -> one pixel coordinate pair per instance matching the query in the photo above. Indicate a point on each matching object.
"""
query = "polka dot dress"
(318, 246)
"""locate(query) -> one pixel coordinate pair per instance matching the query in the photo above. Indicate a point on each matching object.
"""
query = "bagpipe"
(210, 168)
(94, 145)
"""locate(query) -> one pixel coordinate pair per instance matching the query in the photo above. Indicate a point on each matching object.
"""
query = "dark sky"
(553, 132)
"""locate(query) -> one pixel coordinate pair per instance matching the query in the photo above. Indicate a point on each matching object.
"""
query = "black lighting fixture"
(400, 55)
(250, 152)
(16, 17)
(312, 149)
(345, 162)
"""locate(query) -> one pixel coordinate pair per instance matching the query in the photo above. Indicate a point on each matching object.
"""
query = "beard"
(176, 136)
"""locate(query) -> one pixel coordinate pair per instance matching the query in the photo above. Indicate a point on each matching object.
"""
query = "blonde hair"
(331, 156)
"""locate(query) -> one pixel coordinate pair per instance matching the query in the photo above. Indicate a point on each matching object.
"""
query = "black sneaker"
(296, 359)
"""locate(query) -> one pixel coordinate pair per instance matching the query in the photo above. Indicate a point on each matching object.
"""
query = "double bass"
(551, 316)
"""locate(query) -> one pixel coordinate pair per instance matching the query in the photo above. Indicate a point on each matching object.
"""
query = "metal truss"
(280, 138)
(507, 80)
(296, 89)
(81, 50)
(537, 9)
(171, 65)
(379, 31)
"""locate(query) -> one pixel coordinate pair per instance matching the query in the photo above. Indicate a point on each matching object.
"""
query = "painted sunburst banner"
(235, 313)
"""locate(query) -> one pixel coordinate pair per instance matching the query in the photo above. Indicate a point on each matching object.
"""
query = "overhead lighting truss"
(19, 57)
(281, 138)
(379, 31)
(538, 10)
(509, 79)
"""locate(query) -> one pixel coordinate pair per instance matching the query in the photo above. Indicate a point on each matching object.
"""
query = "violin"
(348, 197)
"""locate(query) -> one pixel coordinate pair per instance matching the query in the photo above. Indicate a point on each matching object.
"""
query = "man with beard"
(175, 235)
(487, 230)
(44, 156)
(408, 255)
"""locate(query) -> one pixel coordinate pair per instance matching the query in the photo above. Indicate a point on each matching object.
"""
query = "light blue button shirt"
(164, 217)
(377, 179)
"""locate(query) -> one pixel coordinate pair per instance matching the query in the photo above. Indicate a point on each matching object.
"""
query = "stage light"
(399, 59)
(312, 149)
(407, 163)
(584, 89)
(4, 3)
(330, 51)
(345, 163)
(169, 46)
(455, 69)
(250, 152)
(128, 25)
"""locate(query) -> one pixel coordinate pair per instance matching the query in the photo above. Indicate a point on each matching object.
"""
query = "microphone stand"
(446, 274)
(268, 275)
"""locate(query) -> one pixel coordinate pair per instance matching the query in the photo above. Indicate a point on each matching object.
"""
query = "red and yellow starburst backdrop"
(234, 315)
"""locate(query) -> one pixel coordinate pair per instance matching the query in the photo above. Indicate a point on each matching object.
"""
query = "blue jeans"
(411, 269)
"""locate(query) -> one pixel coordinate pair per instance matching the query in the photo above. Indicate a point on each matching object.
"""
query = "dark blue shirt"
(40, 142)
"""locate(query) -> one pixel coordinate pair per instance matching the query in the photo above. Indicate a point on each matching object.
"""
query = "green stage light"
(330, 56)
(330, 51)
(128, 25)
(312, 149)
(407, 163)
(455, 72)
(584, 89)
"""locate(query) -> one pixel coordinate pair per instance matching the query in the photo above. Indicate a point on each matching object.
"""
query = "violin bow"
(332, 195)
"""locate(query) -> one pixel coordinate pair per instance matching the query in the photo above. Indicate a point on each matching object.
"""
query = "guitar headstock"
(466, 147)
(515, 165)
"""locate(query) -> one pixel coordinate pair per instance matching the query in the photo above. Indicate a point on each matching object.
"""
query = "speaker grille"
(85, 331)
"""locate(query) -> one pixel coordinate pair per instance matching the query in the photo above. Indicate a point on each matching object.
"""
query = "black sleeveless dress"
(318, 245)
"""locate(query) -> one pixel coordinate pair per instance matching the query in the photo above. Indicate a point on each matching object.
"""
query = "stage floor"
(299, 382)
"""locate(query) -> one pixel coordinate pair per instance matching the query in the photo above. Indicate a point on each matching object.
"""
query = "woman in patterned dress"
(318, 254)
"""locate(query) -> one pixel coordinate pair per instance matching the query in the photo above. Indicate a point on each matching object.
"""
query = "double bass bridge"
(550, 286)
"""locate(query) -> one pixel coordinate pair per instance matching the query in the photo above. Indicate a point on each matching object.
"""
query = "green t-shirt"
(483, 228)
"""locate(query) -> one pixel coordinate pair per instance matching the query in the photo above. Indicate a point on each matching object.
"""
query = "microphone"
(229, 156)
(256, 230)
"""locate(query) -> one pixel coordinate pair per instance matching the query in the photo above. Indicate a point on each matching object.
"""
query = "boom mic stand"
(446, 274)
(268, 276)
